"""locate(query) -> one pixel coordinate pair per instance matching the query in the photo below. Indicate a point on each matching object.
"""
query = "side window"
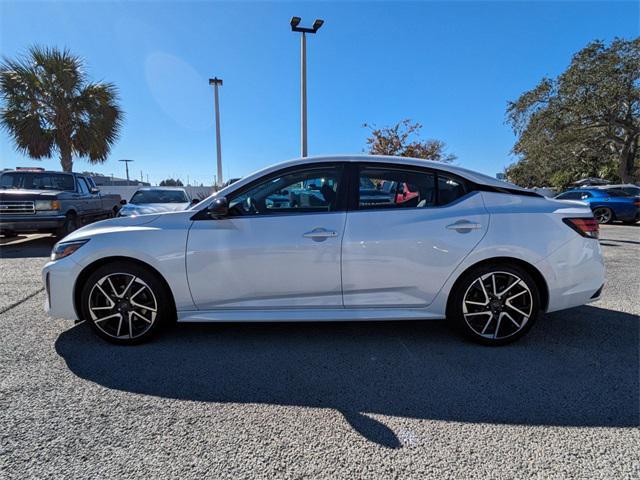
(82, 186)
(569, 196)
(391, 188)
(585, 195)
(308, 190)
(449, 189)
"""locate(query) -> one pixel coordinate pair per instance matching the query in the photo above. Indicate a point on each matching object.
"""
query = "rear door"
(399, 248)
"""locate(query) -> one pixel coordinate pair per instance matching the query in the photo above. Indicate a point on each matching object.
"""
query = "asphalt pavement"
(332, 400)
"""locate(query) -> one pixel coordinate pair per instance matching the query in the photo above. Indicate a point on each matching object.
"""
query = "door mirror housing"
(218, 208)
(94, 190)
(195, 201)
(123, 202)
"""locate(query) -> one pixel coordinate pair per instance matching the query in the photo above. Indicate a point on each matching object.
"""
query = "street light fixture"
(295, 27)
(215, 82)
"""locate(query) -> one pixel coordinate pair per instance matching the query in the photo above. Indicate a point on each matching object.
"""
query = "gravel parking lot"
(347, 400)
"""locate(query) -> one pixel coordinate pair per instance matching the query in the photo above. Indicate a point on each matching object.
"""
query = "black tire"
(127, 329)
(70, 224)
(603, 215)
(486, 324)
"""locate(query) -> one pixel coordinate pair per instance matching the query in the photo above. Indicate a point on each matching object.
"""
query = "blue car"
(607, 205)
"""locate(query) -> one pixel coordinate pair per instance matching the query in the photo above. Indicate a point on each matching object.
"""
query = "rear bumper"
(30, 223)
(575, 274)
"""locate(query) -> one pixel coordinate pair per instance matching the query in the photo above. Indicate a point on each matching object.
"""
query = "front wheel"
(70, 224)
(603, 215)
(494, 304)
(125, 303)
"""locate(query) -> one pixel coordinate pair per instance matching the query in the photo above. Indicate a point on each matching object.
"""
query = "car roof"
(405, 161)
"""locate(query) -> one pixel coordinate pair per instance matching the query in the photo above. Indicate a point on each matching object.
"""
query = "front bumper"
(31, 223)
(59, 279)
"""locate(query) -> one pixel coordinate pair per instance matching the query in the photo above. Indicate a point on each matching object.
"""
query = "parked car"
(486, 255)
(628, 188)
(607, 204)
(148, 200)
(35, 200)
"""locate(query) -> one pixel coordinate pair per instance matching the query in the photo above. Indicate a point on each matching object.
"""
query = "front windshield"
(37, 181)
(159, 196)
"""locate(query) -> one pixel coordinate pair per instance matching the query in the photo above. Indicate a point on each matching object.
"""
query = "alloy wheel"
(602, 215)
(497, 305)
(122, 306)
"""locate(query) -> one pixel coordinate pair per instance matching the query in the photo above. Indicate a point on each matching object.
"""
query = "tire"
(115, 291)
(603, 215)
(485, 313)
(70, 224)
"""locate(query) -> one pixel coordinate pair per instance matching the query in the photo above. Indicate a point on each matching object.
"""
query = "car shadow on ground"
(575, 368)
(26, 247)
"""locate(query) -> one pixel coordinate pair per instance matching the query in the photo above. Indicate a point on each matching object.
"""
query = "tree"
(49, 105)
(401, 140)
(584, 123)
(170, 182)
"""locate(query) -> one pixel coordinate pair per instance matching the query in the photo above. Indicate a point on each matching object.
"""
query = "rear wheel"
(603, 215)
(125, 303)
(495, 304)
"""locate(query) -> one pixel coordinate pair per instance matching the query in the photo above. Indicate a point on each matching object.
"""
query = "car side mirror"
(218, 208)
(123, 202)
(94, 190)
(195, 201)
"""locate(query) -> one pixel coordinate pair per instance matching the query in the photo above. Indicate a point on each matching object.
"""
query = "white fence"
(127, 192)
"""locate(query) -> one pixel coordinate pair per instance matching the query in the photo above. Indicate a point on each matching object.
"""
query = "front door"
(407, 233)
(279, 247)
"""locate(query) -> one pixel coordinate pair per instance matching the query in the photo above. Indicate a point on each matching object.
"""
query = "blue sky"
(450, 65)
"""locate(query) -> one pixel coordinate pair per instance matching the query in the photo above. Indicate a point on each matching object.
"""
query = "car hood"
(24, 194)
(147, 208)
(110, 226)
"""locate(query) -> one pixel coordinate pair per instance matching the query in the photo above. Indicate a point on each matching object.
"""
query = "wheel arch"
(92, 267)
(537, 276)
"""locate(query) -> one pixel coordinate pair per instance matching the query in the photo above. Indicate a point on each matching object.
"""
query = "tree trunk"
(66, 161)
(628, 159)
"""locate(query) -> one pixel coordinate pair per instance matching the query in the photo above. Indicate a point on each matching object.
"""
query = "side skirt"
(307, 315)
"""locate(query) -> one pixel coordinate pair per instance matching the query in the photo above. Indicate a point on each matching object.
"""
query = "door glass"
(82, 186)
(304, 191)
(390, 188)
(449, 189)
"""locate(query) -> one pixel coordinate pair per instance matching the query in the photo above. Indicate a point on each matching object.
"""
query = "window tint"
(37, 180)
(390, 188)
(569, 196)
(449, 189)
(82, 186)
(304, 191)
(159, 196)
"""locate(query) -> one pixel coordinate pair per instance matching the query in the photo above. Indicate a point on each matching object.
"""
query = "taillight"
(587, 227)
(637, 203)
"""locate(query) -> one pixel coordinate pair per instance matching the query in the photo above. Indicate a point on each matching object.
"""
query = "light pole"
(215, 82)
(295, 22)
(126, 162)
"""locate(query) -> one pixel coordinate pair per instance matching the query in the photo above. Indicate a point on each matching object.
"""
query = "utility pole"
(217, 82)
(295, 22)
(126, 162)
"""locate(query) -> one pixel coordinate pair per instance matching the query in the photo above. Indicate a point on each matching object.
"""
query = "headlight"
(64, 249)
(47, 205)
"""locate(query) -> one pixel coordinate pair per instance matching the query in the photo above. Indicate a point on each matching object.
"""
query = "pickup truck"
(36, 200)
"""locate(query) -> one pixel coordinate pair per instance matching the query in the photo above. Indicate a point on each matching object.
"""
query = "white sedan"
(155, 200)
(335, 238)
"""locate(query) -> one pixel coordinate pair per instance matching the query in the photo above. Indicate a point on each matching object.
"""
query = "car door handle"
(464, 225)
(318, 233)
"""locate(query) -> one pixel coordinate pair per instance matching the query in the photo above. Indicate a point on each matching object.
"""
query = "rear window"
(159, 196)
(37, 181)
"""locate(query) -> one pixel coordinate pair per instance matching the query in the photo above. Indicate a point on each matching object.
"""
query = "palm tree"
(49, 105)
